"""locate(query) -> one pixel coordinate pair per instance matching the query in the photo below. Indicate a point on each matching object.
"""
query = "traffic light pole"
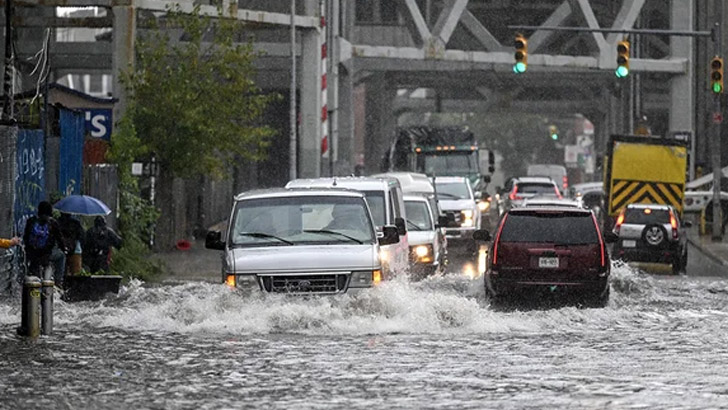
(717, 228)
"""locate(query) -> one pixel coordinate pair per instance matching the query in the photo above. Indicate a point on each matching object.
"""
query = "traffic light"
(491, 161)
(521, 54)
(622, 59)
(554, 133)
(716, 75)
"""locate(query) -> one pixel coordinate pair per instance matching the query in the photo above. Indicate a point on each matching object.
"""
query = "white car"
(457, 202)
(318, 241)
(384, 196)
(428, 246)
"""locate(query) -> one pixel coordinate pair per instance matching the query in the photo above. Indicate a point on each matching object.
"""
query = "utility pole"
(293, 142)
(717, 233)
(8, 102)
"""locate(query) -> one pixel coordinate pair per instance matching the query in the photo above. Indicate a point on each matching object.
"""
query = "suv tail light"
(601, 241)
(673, 224)
(565, 182)
(497, 240)
(620, 221)
(514, 196)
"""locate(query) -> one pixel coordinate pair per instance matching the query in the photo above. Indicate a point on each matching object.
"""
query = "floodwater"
(661, 343)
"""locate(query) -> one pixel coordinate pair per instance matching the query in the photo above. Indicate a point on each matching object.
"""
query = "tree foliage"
(194, 102)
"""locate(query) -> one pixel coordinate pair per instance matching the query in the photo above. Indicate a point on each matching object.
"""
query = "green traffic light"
(519, 67)
(622, 72)
(717, 88)
(554, 137)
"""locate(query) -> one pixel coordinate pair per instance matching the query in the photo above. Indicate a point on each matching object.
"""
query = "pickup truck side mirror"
(401, 226)
(213, 240)
(443, 221)
(390, 235)
(481, 235)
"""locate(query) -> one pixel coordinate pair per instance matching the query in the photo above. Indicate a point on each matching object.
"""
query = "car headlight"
(483, 206)
(365, 279)
(241, 281)
(422, 253)
(467, 213)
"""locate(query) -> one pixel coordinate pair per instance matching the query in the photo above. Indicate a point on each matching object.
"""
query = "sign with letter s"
(98, 122)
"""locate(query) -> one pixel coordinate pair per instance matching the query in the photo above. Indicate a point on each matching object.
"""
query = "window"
(388, 11)
(375, 199)
(453, 190)
(538, 189)
(644, 216)
(296, 220)
(418, 215)
(364, 11)
(560, 228)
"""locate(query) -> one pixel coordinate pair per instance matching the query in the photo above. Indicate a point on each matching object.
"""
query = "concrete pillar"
(380, 121)
(310, 98)
(682, 97)
(345, 141)
(122, 59)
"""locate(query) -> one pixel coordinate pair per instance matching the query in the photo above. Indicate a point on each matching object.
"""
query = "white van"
(313, 241)
(386, 203)
(557, 173)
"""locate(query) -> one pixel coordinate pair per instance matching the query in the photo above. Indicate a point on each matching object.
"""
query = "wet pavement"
(661, 343)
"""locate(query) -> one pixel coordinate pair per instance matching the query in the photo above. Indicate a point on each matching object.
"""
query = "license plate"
(544, 262)
(629, 243)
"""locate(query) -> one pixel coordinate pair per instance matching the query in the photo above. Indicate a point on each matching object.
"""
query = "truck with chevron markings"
(645, 170)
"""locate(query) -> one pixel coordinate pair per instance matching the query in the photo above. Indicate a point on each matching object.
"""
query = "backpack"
(39, 235)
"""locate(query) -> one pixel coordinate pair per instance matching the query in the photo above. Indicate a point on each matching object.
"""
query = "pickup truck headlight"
(484, 206)
(467, 220)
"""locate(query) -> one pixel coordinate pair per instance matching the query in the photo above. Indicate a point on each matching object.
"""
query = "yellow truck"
(646, 170)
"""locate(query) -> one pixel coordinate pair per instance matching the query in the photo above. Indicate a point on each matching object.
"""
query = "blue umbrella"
(82, 205)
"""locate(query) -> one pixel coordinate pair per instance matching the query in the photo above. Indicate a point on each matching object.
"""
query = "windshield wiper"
(414, 225)
(266, 236)
(326, 231)
(448, 195)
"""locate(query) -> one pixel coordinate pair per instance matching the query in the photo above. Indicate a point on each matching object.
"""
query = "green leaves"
(195, 103)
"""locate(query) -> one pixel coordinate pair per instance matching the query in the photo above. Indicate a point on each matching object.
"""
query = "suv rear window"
(531, 188)
(640, 217)
(560, 228)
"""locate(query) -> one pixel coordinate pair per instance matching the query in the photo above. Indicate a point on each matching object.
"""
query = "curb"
(715, 258)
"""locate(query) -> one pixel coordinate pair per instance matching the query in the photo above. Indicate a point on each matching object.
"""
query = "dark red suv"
(551, 249)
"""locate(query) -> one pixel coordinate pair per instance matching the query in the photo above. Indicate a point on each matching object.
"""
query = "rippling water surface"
(661, 343)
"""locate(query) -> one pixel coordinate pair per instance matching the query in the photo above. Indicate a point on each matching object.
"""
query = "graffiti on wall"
(30, 178)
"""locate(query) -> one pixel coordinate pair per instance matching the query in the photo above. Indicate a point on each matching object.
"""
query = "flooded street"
(661, 343)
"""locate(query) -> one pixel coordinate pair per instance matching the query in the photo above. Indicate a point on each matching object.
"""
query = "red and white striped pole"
(324, 106)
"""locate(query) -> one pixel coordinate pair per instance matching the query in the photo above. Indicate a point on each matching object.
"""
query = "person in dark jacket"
(41, 234)
(73, 237)
(97, 246)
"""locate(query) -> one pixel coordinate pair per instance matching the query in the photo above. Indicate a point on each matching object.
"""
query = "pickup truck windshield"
(301, 220)
(453, 190)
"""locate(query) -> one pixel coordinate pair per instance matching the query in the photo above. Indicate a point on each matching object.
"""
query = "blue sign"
(98, 122)
(30, 178)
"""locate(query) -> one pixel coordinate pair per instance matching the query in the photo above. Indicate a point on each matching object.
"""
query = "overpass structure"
(390, 57)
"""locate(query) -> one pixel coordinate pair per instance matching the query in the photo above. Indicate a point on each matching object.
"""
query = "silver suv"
(301, 241)
(651, 233)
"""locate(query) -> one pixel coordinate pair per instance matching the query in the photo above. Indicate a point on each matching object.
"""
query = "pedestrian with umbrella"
(77, 240)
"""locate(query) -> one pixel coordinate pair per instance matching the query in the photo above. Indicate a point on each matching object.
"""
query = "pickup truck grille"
(306, 284)
(457, 215)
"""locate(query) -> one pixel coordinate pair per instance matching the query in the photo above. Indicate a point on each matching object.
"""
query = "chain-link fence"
(8, 168)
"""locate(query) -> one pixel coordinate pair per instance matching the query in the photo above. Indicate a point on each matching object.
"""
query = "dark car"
(652, 233)
(551, 249)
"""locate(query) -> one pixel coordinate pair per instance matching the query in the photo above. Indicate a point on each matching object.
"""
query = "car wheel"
(654, 235)
(598, 300)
